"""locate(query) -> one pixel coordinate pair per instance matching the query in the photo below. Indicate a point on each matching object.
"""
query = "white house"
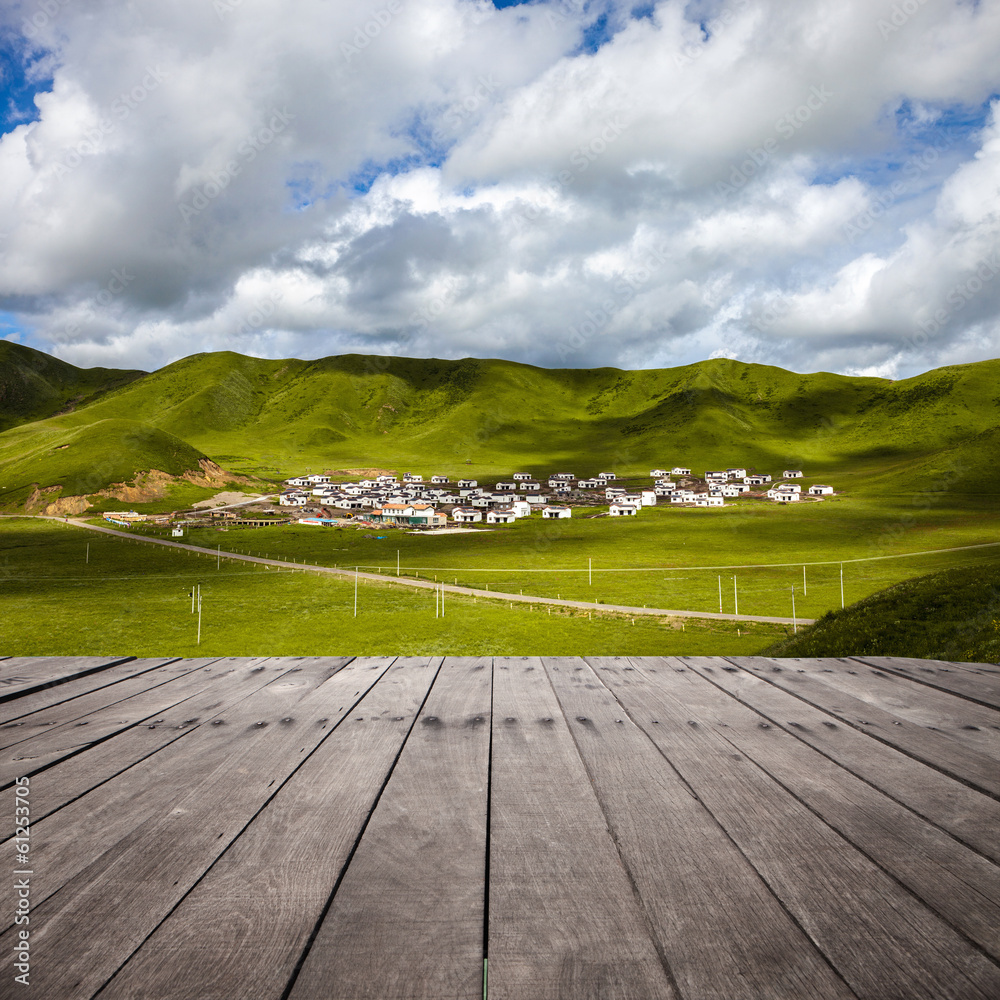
(657, 472)
(678, 471)
(792, 474)
(527, 485)
(412, 478)
(316, 479)
(536, 498)
(716, 475)
(557, 484)
(521, 475)
(564, 475)
(647, 498)
(785, 497)
(606, 476)
(736, 473)
(466, 515)
(298, 481)
(710, 501)
(385, 479)
(590, 484)
(521, 508)
(820, 491)
(663, 491)
(506, 486)
(552, 511)
(623, 510)
(293, 500)
(502, 515)
(756, 480)
(439, 479)
(614, 491)
(467, 483)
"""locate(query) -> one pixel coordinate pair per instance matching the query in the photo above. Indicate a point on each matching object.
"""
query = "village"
(409, 501)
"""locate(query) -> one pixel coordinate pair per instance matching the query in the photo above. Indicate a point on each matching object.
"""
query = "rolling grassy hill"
(937, 432)
(950, 615)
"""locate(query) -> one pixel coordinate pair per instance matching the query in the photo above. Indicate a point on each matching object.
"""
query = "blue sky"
(562, 182)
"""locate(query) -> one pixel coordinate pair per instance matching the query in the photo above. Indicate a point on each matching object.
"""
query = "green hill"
(935, 432)
(951, 615)
(34, 385)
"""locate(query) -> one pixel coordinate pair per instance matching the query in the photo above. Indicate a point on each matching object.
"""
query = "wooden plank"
(234, 679)
(57, 741)
(954, 881)
(979, 682)
(21, 675)
(883, 941)
(969, 723)
(723, 932)
(26, 705)
(407, 919)
(71, 838)
(564, 920)
(241, 930)
(87, 930)
(934, 749)
(965, 813)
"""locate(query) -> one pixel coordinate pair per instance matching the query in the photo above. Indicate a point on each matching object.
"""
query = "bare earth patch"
(226, 498)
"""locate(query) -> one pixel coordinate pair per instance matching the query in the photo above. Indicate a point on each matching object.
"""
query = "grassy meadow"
(132, 598)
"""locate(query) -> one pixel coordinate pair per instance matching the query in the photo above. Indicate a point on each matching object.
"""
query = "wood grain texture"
(842, 900)
(407, 920)
(958, 884)
(966, 722)
(564, 920)
(240, 933)
(26, 705)
(21, 675)
(60, 732)
(978, 682)
(98, 918)
(724, 934)
(965, 813)
(936, 750)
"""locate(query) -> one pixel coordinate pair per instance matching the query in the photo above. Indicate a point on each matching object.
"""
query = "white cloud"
(440, 177)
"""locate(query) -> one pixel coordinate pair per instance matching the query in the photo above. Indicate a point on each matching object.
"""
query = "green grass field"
(133, 598)
(654, 558)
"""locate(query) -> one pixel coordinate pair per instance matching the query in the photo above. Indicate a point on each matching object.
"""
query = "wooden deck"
(589, 829)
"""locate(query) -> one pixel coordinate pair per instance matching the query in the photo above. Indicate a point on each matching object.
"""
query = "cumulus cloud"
(560, 182)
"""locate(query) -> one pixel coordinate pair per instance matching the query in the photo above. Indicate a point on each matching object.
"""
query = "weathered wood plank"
(84, 828)
(564, 920)
(934, 749)
(83, 706)
(964, 812)
(240, 932)
(89, 928)
(883, 941)
(407, 919)
(969, 723)
(979, 682)
(26, 705)
(73, 776)
(64, 739)
(954, 881)
(723, 932)
(21, 675)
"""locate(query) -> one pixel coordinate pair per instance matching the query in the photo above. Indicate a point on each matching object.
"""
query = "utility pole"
(805, 592)
(355, 591)
(841, 586)
(199, 614)
(590, 571)
(720, 594)
(795, 627)
(218, 558)
(736, 597)
(442, 600)
(397, 562)
(88, 553)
